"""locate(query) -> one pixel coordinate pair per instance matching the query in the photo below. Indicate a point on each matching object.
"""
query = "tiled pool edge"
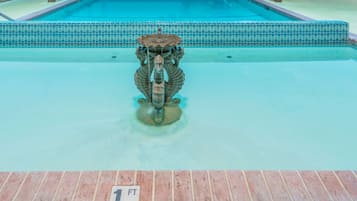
(183, 185)
(194, 34)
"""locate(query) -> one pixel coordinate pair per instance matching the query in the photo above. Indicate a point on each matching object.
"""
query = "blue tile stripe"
(194, 34)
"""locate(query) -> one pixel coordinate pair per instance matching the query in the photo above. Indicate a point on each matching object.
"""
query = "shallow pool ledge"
(194, 34)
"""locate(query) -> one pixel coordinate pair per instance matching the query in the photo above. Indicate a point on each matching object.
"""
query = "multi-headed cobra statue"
(159, 53)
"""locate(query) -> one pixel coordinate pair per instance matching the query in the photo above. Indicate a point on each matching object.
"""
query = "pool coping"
(46, 10)
(182, 185)
(284, 11)
(290, 13)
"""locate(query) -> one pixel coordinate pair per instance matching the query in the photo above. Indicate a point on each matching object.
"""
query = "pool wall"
(194, 34)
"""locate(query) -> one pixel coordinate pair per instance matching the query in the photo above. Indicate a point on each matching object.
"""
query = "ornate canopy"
(159, 40)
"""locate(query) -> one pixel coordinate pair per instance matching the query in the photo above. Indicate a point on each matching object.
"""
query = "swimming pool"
(244, 108)
(160, 10)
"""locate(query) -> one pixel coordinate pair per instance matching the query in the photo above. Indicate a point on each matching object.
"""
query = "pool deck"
(181, 185)
(25, 9)
(324, 10)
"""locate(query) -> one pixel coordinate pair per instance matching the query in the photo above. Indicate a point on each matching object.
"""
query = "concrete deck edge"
(283, 10)
(46, 10)
(352, 36)
(4, 3)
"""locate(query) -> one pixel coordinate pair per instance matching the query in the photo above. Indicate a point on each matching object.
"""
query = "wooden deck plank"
(49, 186)
(333, 186)
(145, 180)
(276, 185)
(3, 177)
(87, 185)
(238, 186)
(314, 186)
(67, 187)
(126, 178)
(220, 188)
(257, 187)
(295, 186)
(163, 186)
(182, 186)
(11, 186)
(349, 181)
(201, 186)
(105, 184)
(30, 186)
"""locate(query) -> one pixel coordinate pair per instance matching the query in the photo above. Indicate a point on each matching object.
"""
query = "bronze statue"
(159, 53)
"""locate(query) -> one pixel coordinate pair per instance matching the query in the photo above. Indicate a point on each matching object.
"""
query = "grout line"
(210, 185)
(116, 177)
(192, 190)
(77, 186)
(229, 185)
(355, 174)
(153, 186)
(323, 185)
(7, 178)
(57, 188)
(343, 186)
(247, 185)
(172, 185)
(285, 185)
(135, 176)
(303, 183)
(39, 187)
(266, 185)
(18, 189)
(97, 185)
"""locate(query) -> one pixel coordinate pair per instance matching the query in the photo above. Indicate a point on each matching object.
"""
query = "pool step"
(181, 185)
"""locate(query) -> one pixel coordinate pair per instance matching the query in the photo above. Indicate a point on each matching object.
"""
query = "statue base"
(169, 114)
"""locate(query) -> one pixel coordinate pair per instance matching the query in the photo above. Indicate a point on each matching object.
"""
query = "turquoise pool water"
(263, 108)
(172, 10)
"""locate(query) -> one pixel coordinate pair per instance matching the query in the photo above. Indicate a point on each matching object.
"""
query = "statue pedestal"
(147, 113)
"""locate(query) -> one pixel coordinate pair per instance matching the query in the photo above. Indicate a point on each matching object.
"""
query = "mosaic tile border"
(194, 34)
